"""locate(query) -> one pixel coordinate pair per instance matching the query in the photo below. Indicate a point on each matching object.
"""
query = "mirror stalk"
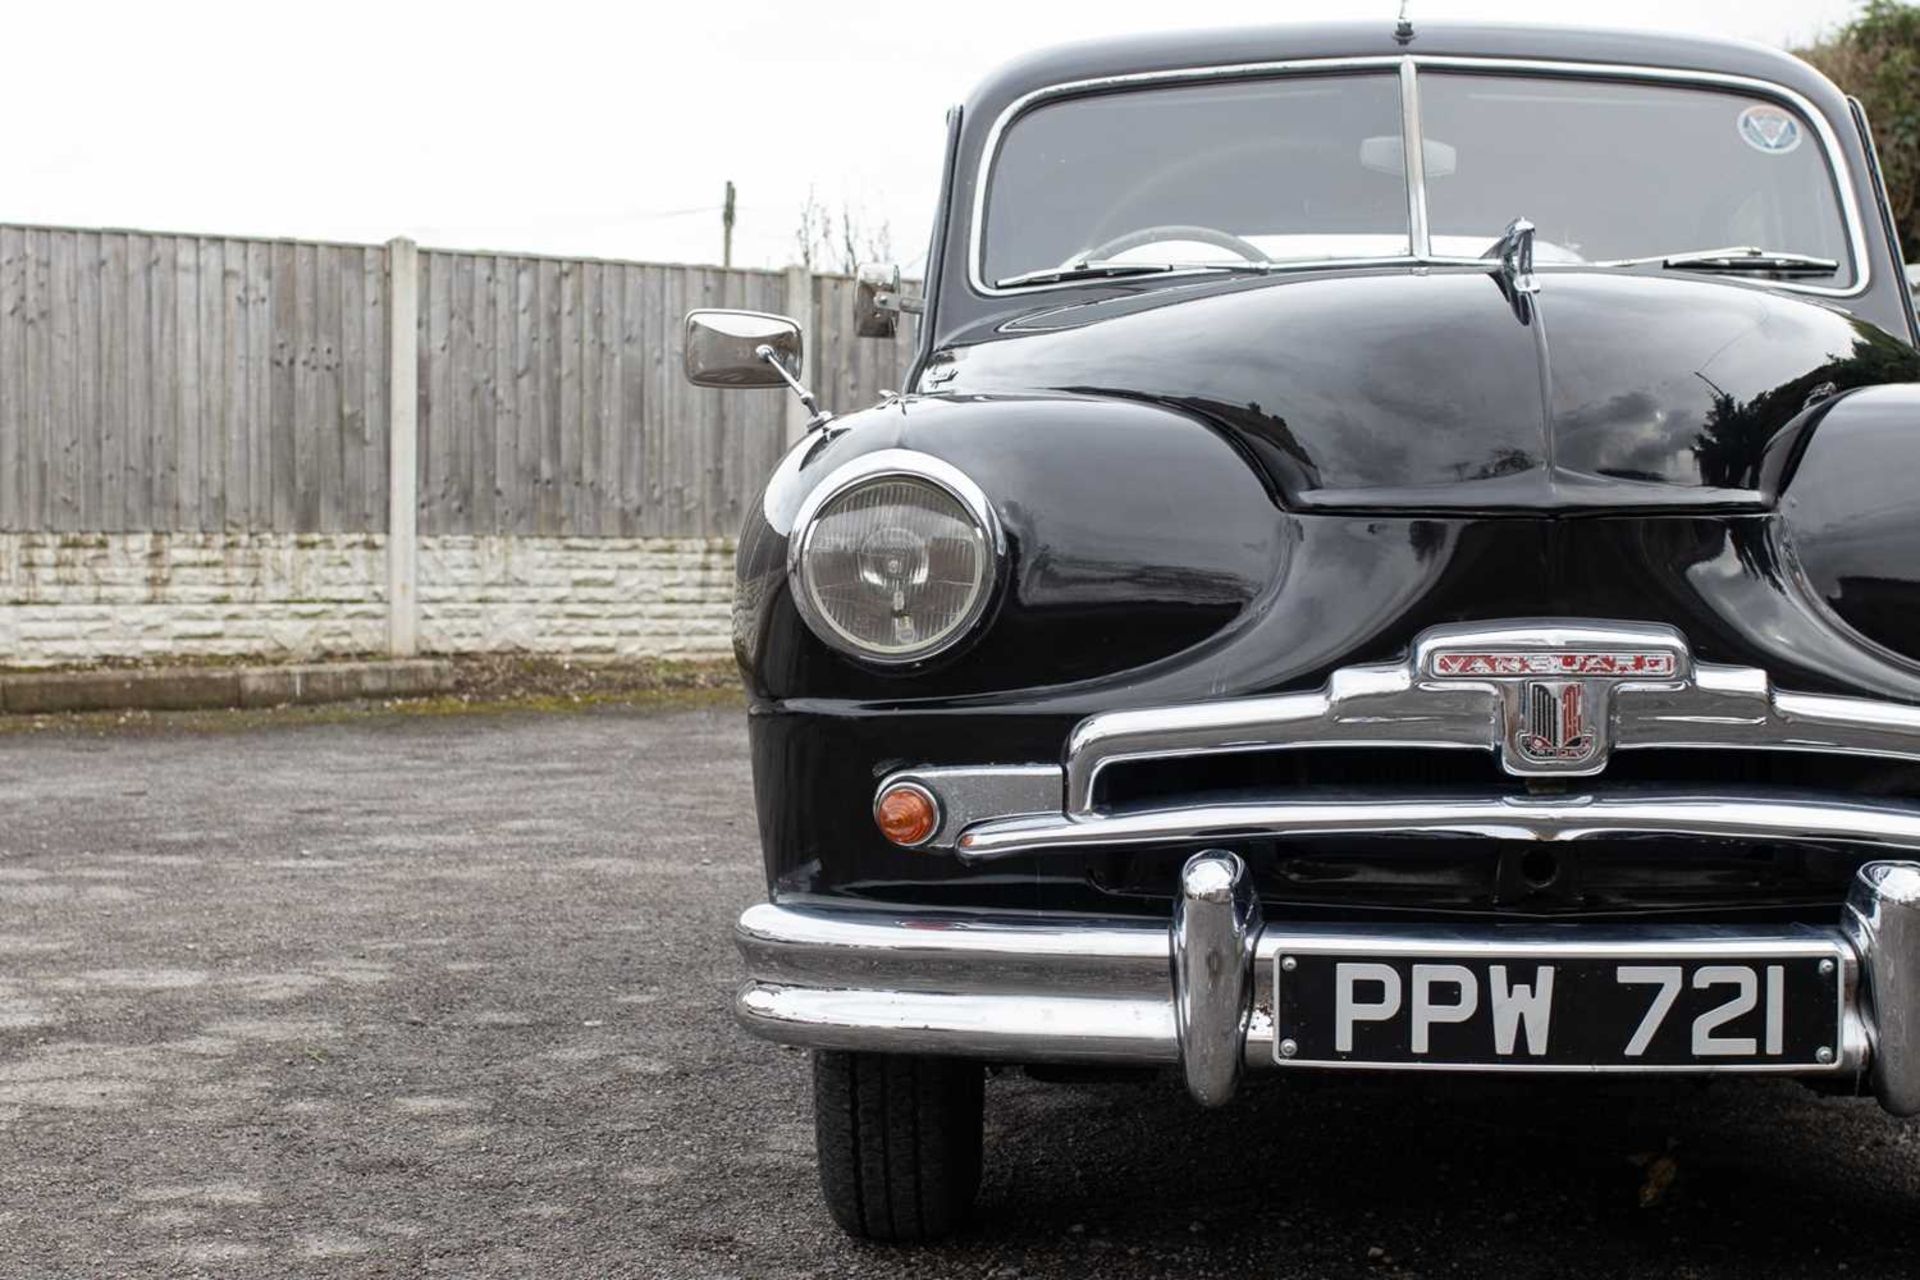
(820, 416)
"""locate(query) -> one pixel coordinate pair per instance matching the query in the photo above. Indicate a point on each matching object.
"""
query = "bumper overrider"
(1201, 990)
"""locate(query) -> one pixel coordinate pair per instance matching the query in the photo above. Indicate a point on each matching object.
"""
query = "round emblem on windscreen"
(1769, 129)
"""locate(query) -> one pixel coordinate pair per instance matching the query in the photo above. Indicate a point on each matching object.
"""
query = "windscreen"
(1292, 167)
(1607, 170)
(1297, 168)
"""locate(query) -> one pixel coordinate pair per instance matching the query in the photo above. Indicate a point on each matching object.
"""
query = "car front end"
(1398, 556)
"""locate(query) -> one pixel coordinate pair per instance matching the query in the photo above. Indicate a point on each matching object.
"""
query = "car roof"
(1134, 54)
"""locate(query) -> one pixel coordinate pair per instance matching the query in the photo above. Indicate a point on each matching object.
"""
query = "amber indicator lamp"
(907, 814)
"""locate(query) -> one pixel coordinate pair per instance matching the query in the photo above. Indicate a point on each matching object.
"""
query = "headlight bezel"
(880, 467)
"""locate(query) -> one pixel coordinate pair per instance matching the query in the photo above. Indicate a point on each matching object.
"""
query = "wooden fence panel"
(552, 402)
(213, 384)
(190, 383)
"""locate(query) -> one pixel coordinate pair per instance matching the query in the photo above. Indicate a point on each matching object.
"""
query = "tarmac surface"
(402, 996)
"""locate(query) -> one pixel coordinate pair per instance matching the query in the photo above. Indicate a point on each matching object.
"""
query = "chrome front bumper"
(1198, 992)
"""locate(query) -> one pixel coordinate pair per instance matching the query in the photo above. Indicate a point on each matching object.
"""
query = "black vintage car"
(1400, 551)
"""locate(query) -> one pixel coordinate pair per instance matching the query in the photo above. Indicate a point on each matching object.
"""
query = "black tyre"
(898, 1142)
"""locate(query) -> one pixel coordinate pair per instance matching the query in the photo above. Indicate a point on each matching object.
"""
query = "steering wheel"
(1176, 231)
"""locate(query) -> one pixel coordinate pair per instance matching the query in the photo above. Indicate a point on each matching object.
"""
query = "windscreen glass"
(1290, 168)
(1610, 170)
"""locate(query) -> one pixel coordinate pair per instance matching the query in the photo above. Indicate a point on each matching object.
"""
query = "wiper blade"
(1120, 270)
(1749, 258)
(1740, 257)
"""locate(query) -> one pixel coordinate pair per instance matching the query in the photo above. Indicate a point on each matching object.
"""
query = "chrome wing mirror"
(878, 301)
(747, 349)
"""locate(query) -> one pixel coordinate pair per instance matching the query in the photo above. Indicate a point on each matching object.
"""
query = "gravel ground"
(401, 996)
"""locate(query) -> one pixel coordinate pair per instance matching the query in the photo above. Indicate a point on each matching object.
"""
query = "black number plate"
(1747, 1013)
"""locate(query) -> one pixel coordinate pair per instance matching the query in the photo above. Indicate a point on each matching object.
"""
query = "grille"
(1329, 771)
(1626, 878)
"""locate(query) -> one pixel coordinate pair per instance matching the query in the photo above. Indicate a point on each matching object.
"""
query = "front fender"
(1133, 533)
(1852, 511)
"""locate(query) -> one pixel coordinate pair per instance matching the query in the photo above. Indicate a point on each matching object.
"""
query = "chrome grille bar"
(1585, 817)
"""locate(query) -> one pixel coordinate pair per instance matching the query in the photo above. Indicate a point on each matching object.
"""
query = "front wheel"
(898, 1142)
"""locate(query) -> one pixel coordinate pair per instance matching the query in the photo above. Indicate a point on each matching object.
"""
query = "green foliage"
(1876, 58)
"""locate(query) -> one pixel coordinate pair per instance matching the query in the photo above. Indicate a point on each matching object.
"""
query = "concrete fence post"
(403, 446)
(800, 307)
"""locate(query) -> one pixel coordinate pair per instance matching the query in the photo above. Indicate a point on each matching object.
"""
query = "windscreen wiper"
(1741, 257)
(1120, 270)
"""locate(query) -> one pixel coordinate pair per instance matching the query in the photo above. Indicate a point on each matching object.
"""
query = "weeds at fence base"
(483, 684)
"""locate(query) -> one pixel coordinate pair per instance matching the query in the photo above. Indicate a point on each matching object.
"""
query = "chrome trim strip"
(1518, 818)
(1839, 169)
(1008, 1026)
(1361, 707)
(1414, 143)
(1555, 941)
(911, 464)
(902, 945)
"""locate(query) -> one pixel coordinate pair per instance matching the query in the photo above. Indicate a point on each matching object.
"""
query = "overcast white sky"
(573, 128)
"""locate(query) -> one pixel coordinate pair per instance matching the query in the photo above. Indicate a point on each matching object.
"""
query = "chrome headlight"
(894, 557)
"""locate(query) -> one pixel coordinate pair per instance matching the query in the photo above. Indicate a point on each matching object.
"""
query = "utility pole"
(726, 228)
